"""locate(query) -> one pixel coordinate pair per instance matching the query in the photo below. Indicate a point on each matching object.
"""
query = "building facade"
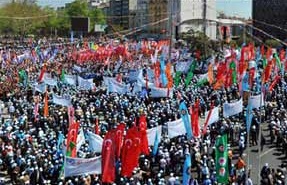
(267, 13)
(192, 16)
(157, 11)
(119, 14)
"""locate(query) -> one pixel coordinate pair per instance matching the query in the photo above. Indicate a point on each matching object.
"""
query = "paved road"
(270, 154)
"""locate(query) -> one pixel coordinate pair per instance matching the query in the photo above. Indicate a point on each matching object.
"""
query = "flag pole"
(248, 133)
(259, 135)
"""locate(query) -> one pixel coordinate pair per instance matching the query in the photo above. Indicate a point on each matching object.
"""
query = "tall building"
(119, 13)
(272, 13)
(192, 15)
(157, 11)
(186, 15)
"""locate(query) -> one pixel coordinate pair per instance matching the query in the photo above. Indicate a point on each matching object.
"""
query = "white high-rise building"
(191, 15)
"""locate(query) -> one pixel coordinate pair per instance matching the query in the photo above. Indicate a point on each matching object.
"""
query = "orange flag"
(46, 107)
(218, 84)
(169, 75)
(210, 74)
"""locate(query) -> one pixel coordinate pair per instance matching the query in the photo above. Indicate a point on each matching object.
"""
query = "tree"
(21, 18)
(273, 43)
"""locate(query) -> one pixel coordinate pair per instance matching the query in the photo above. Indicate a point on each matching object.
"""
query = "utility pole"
(204, 16)
(204, 25)
(170, 28)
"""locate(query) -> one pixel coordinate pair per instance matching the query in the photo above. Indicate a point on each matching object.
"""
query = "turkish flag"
(131, 151)
(97, 130)
(194, 118)
(221, 71)
(72, 139)
(142, 127)
(119, 139)
(267, 71)
(108, 158)
(43, 70)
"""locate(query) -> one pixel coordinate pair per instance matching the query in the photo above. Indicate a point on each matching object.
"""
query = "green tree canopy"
(28, 18)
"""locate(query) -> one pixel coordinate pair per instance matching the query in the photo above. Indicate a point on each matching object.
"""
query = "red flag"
(131, 152)
(36, 111)
(267, 71)
(119, 139)
(262, 50)
(228, 80)
(72, 139)
(194, 118)
(275, 81)
(108, 158)
(207, 119)
(71, 113)
(251, 51)
(251, 76)
(268, 53)
(197, 55)
(43, 70)
(221, 71)
(97, 130)
(144, 142)
(282, 55)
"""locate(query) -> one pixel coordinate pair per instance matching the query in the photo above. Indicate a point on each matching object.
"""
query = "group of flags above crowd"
(238, 68)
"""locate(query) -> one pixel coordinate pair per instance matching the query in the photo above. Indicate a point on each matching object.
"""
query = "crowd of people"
(29, 143)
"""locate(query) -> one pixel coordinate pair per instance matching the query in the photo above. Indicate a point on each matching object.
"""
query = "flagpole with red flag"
(108, 158)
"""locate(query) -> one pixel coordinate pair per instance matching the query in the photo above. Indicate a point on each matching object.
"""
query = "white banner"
(160, 92)
(133, 75)
(151, 133)
(78, 166)
(183, 66)
(230, 109)
(62, 100)
(80, 139)
(50, 81)
(176, 128)
(40, 87)
(255, 101)
(214, 117)
(85, 84)
(70, 79)
(142, 81)
(115, 87)
(95, 142)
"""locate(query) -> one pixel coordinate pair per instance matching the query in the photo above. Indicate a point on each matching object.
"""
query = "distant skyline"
(242, 8)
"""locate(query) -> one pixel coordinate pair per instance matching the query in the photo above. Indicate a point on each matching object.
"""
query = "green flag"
(232, 66)
(22, 75)
(264, 62)
(190, 73)
(177, 78)
(63, 75)
(278, 62)
(201, 82)
(221, 158)
(70, 148)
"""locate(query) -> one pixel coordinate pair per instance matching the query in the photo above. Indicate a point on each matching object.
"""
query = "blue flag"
(162, 72)
(185, 174)
(249, 117)
(156, 143)
(186, 119)
(60, 141)
(245, 82)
